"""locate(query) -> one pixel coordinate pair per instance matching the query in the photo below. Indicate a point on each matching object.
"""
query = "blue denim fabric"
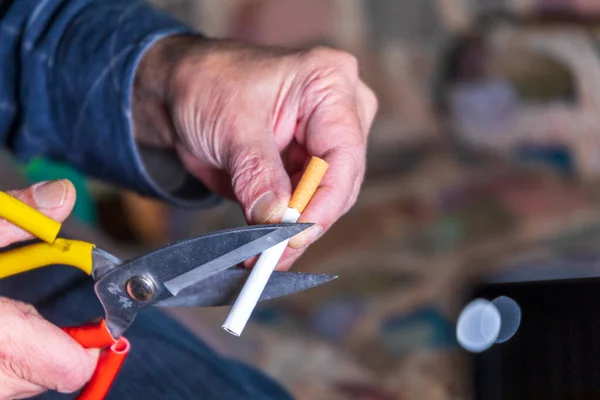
(67, 72)
(166, 361)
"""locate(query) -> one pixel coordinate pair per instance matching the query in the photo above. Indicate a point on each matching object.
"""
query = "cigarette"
(257, 280)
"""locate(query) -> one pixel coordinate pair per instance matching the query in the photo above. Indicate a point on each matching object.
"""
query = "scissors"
(126, 287)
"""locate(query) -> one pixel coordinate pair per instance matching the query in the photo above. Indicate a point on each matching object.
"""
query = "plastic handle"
(93, 336)
(62, 251)
(28, 218)
(109, 362)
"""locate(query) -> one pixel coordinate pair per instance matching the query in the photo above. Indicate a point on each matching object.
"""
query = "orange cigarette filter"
(315, 170)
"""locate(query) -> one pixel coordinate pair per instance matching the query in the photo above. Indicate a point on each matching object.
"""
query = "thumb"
(259, 180)
(53, 198)
(36, 355)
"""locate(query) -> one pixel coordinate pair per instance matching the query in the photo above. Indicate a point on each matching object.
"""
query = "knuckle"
(14, 193)
(349, 62)
(13, 368)
(28, 311)
(6, 303)
(12, 362)
(368, 99)
(351, 201)
(247, 170)
(16, 309)
(25, 195)
(334, 58)
(318, 53)
(372, 101)
(10, 233)
(354, 148)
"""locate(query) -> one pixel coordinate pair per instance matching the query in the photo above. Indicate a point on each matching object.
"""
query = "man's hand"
(245, 120)
(35, 355)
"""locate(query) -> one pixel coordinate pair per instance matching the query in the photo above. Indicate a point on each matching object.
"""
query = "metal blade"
(206, 255)
(102, 263)
(234, 257)
(222, 289)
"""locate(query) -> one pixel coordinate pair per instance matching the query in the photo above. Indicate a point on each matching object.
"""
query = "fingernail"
(267, 208)
(306, 237)
(50, 194)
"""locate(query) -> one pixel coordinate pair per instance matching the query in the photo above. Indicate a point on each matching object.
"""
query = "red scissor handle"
(110, 361)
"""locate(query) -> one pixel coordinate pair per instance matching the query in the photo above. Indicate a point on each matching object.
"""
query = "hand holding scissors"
(126, 287)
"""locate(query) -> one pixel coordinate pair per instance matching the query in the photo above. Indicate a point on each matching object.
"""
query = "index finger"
(334, 134)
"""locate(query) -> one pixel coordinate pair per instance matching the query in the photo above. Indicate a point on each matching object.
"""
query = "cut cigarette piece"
(259, 277)
(257, 281)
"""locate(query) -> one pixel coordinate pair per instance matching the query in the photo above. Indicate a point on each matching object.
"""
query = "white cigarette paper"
(268, 260)
(257, 280)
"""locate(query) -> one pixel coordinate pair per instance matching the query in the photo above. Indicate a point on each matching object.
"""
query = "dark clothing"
(67, 71)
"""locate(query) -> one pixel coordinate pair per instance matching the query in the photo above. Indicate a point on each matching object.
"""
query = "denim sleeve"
(67, 71)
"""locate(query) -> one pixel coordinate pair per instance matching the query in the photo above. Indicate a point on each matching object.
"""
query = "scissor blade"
(228, 248)
(233, 257)
(102, 263)
(222, 289)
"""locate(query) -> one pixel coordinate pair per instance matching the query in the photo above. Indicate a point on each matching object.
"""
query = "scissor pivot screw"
(140, 288)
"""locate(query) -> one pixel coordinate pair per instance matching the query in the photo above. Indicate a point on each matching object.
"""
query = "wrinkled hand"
(246, 119)
(35, 355)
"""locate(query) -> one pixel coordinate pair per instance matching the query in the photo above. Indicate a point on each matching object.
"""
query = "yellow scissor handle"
(62, 251)
(54, 251)
(28, 218)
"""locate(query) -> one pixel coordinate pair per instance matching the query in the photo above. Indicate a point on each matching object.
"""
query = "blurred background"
(485, 153)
